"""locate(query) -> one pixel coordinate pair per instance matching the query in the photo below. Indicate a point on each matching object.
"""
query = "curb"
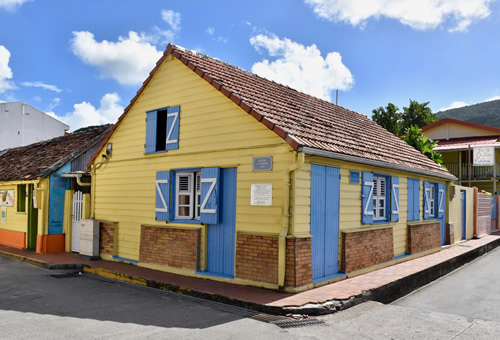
(384, 294)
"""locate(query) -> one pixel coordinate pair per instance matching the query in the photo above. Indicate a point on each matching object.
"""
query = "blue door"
(463, 213)
(325, 191)
(221, 236)
(441, 213)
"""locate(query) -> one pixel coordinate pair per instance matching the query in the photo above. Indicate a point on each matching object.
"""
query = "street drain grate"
(287, 322)
(293, 323)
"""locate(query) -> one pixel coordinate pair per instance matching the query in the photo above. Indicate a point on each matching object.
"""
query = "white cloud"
(42, 85)
(302, 68)
(11, 5)
(54, 104)
(85, 114)
(5, 71)
(492, 99)
(211, 32)
(128, 60)
(454, 105)
(418, 14)
(172, 18)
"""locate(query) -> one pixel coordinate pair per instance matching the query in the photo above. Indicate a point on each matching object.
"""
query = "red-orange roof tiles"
(28, 162)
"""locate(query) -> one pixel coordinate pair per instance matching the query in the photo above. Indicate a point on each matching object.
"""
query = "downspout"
(286, 217)
(78, 177)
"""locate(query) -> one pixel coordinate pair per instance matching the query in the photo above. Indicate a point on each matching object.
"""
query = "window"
(379, 198)
(413, 199)
(434, 200)
(21, 198)
(188, 192)
(162, 129)
(195, 195)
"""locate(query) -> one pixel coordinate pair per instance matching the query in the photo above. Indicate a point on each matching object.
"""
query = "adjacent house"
(33, 184)
(470, 151)
(218, 173)
(22, 124)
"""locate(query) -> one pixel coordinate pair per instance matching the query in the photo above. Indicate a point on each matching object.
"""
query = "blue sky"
(83, 61)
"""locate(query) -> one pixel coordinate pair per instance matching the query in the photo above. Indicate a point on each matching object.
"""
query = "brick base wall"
(424, 236)
(450, 233)
(107, 238)
(178, 248)
(257, 258)
(298, 262)
(366, 248)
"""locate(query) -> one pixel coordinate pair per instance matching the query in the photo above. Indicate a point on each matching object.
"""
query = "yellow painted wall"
(16, 221)
(455, 212)
(214, 132)
(451, 130)
(350, 200)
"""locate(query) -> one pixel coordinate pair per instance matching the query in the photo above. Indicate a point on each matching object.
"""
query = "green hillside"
(487, 113)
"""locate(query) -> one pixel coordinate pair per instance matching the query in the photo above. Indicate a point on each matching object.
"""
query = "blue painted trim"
(187, 221)
(401, 256)
(329, 277)
(214, 274)
(124, 259)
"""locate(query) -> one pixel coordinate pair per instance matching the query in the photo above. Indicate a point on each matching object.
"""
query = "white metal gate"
(75, 219)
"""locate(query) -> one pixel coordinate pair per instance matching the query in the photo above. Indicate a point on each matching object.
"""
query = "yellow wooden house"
(217, 173)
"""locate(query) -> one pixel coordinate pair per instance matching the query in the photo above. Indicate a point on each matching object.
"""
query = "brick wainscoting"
(298, 262)
(423, 236)
(107, 238)
(362, 249)
(178, 248)
(257, 258)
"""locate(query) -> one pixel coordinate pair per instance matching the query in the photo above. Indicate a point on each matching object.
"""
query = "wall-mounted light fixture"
(109, 148)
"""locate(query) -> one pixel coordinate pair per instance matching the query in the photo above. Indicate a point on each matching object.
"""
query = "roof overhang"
(371, 162)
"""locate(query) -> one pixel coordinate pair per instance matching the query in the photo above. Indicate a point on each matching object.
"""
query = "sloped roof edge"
(460, 122)
(366, 161)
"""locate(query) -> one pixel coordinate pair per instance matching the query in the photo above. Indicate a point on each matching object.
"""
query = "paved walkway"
(383, 285)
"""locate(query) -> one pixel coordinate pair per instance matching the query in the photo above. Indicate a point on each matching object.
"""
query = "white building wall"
(22, 124)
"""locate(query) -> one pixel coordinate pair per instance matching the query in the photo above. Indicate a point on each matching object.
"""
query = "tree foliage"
(416, 138)
(416, 114)
(389, 118)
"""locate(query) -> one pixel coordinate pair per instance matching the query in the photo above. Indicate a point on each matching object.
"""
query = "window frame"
(194, 194)
(162, 129)
(379, 197)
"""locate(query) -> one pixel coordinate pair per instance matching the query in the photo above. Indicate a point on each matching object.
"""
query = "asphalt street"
(36, 302)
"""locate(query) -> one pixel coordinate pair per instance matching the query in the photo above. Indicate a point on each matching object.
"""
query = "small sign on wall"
(483, 156)
(7, 198)
(3, 219)
(354, 176)
(262, 194)
(263, 163)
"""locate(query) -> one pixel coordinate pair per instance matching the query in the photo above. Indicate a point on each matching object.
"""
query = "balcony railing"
(477, 172)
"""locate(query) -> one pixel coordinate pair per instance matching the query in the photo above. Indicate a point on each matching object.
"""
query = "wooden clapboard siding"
(214, 132)
(350, 200)
(15, 221)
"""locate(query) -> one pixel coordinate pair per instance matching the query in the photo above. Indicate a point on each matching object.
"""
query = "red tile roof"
(463, 143)
(37, 160)
(300, 119)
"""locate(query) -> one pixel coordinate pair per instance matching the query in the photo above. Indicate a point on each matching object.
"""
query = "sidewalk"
(384, 285)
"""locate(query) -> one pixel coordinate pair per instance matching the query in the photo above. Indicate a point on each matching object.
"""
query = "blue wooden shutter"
(416, 200)
(173, 117)
(162, 210)
(410, 200)
(209, 202)
(151, 119)
(394, 199)
(367, 198)
(441, 204)
(427, 207)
